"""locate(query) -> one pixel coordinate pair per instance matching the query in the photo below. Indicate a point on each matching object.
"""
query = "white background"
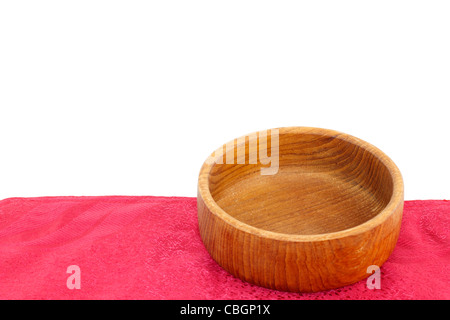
(130, 97)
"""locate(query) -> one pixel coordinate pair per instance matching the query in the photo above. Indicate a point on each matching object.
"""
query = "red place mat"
(131, 247)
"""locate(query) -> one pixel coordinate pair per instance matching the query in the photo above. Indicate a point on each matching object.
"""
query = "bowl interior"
(324, 183)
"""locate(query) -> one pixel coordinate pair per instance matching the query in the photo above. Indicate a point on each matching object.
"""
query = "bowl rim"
(396, 200)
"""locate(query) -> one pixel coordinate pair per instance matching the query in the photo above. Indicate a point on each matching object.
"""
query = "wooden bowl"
(330, 209)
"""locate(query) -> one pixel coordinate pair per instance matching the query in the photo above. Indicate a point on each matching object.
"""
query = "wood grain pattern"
(333, 209)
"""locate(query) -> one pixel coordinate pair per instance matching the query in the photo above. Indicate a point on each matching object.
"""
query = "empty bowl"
(299, 209)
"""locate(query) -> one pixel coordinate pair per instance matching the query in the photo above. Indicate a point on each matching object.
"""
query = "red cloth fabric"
(149, 248)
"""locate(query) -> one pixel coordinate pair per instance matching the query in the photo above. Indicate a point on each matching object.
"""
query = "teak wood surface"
(333, 209)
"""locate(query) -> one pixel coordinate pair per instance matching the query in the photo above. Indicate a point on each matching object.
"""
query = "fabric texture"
(130, 247)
